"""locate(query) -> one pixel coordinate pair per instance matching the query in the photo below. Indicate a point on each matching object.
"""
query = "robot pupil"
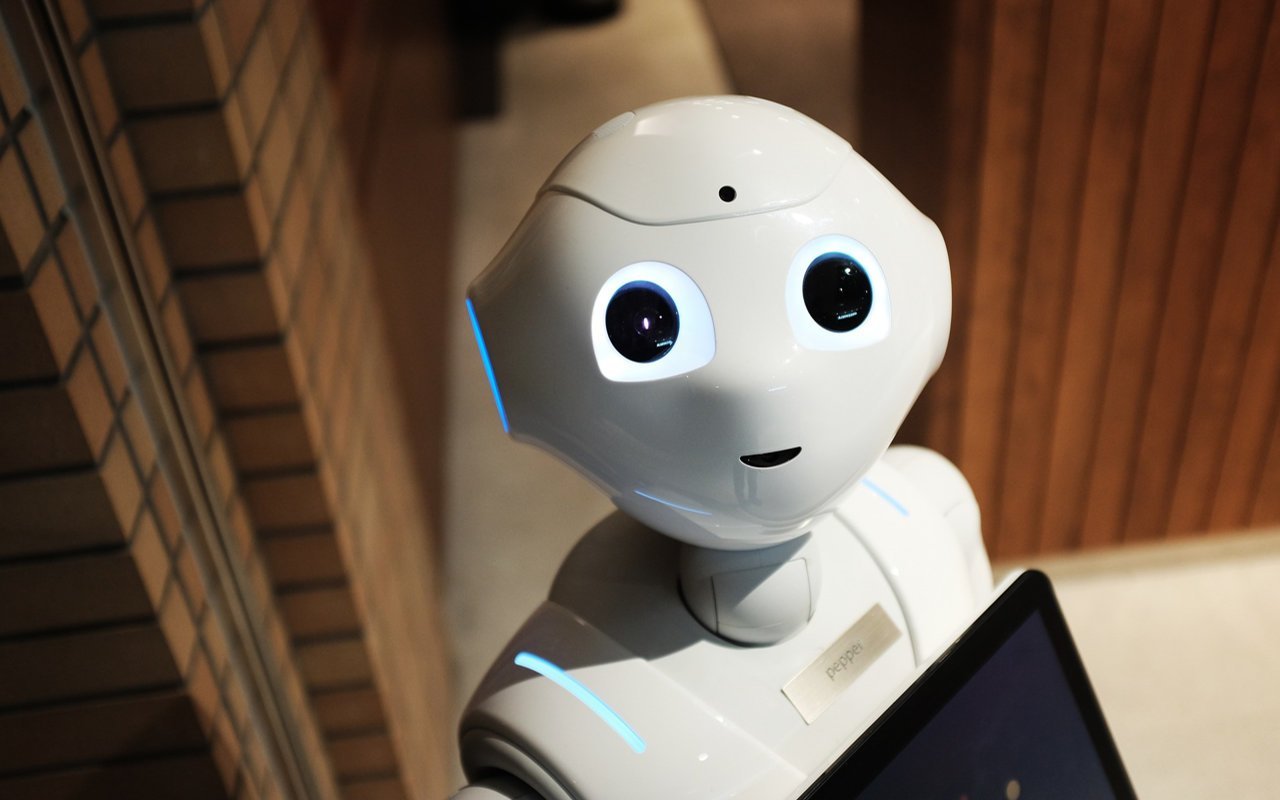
(642, 322)
(837, 292)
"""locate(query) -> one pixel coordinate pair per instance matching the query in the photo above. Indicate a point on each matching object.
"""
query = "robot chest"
(619, 693)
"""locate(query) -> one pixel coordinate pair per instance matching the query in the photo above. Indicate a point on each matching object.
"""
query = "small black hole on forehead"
(728, 193)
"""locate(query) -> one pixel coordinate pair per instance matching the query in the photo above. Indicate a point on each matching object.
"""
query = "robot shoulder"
(945, 487)
(915, 514)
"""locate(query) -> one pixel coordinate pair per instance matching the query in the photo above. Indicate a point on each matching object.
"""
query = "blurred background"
(260, 530)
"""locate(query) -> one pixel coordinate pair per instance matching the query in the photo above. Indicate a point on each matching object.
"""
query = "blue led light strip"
(885, 496)
(571, 685)
(488, 365)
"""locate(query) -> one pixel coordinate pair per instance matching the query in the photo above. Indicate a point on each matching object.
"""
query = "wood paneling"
(962, 110)
(1110, 181)
(1067, 105)
(1004, 196)
(1237, 313)
(1227, 93)
(1105, 213)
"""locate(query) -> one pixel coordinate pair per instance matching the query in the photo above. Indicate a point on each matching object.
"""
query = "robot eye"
(837, 292)
(642, 322)
(650, 321)
(837, 296)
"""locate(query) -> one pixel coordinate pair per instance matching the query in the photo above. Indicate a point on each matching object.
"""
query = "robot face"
(719, 313)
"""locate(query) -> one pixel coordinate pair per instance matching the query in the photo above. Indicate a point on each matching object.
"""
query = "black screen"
(1012, 730)
(1007, 714)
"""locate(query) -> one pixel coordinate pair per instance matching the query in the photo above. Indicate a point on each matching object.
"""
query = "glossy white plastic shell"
(612, 688)
(668, 451)
(771, 156)
(713, 717)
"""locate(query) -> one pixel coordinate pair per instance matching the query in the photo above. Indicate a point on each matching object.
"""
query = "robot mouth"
(775, 459)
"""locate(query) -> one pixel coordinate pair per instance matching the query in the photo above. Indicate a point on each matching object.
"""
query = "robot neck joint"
(752, 597)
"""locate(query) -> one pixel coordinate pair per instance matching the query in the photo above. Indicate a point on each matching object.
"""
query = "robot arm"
(915, 514)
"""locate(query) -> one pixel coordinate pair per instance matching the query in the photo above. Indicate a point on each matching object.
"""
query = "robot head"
(717, 312)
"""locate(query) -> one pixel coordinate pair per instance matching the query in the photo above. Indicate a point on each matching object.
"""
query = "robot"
(720, 314)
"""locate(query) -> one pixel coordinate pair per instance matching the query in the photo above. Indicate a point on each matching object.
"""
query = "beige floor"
(1183, 643)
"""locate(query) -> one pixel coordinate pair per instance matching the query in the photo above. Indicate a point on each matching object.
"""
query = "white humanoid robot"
(720, 314)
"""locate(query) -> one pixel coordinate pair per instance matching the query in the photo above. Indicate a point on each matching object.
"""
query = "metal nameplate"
(819, 684)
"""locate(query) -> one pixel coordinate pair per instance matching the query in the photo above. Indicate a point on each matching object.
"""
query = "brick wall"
(114, 671)
(218, 146)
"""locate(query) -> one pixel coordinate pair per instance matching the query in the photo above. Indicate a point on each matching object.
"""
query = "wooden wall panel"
(1266, 504)
(1256, 411)
(1018, 31)
(1124, 80)
(1226, 94)
(1110, 192)
(1067, 105)
(1235, 309)
(1180, 54)
(958, 159)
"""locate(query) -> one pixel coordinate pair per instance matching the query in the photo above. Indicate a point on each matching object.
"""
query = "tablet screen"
(1007, 713)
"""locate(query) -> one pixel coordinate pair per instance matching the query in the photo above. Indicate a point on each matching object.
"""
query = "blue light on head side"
(588, 698)
(488, 366)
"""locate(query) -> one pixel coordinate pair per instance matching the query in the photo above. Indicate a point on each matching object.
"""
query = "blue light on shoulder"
(488, 365)
(885, 496)
(588, 698)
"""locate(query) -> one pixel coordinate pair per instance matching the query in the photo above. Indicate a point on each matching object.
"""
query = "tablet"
(1006, 713)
